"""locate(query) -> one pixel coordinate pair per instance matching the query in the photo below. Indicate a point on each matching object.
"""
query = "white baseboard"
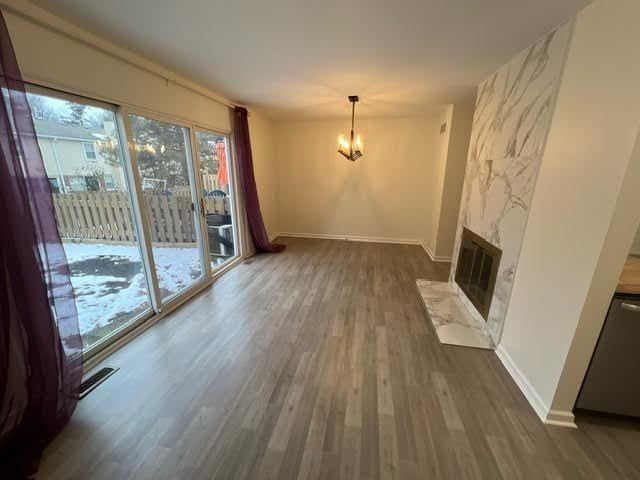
(273, 237)
(435, 258)
(561, 419)
(548, 416)
(352, 238)
(312, 235)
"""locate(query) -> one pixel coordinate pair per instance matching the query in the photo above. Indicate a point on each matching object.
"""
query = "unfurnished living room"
(357, 239)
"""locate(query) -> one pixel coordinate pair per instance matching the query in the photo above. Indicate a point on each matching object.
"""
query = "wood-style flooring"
(319, 362)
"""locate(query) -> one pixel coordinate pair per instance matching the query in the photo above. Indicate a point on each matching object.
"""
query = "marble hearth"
(456, 322)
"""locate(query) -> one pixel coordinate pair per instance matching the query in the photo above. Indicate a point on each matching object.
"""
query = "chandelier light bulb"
(358, 144)
(342, 143)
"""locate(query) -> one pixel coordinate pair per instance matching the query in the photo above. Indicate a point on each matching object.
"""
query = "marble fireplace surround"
(510, 127)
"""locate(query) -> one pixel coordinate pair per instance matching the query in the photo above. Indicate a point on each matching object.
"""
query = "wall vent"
(96, 379)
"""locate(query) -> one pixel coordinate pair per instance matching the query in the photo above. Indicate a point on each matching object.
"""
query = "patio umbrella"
(223, 173)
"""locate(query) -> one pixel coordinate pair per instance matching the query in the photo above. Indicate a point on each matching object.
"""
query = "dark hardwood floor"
(319, 362)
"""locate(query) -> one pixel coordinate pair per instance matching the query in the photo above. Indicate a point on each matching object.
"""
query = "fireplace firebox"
(477, 270)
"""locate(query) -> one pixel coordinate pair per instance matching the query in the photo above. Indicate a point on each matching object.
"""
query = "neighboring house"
(73, 159)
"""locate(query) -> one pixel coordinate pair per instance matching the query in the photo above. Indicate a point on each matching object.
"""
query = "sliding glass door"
(83, 158)
(162, 153)
(142, 227)
(218, 200)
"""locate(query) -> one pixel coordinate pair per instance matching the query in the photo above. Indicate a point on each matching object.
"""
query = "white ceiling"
(300, 59)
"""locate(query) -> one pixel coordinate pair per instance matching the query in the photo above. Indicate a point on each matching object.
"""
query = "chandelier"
(352, 149)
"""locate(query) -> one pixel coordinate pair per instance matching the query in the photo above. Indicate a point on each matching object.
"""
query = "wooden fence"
(209, 183)
(107, 217)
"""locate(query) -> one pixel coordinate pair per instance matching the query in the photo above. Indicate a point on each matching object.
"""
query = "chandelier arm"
(353, 116)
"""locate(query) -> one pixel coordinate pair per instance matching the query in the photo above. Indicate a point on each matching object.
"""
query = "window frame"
(93, 152)
(113, 182)
(182, 296)
(101, 346)
(231, 167)
(75, 181)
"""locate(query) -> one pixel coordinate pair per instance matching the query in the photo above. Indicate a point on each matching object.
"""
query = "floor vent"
(96, 379)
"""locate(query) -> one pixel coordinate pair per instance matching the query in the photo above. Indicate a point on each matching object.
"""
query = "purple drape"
(40, 345)
(248, 183)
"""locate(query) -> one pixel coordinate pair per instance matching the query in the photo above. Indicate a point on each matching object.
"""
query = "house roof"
(48, 128)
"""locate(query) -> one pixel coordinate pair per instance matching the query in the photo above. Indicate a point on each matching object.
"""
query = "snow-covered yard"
(110, 285)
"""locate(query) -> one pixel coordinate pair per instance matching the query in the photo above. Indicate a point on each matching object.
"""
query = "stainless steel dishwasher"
(612, 383)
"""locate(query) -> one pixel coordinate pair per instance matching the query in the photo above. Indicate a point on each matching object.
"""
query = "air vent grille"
(96, 379)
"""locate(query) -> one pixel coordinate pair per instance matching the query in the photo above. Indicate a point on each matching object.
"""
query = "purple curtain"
(40, 345)
(248, 183)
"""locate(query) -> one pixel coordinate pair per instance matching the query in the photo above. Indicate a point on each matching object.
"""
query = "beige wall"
(434, 183)
(635, 248)
(584, 212)
(51, 58)
(383, 195)
(460, 119)
(264, 156)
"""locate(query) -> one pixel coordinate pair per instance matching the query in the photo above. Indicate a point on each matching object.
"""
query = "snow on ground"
(109, 281)
(176, 267)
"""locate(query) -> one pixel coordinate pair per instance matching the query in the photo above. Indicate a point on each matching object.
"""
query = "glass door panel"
(163, 155)
(217, 200)
(81, 150)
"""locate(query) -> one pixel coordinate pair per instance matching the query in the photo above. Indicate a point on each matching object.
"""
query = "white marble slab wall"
(511, 121)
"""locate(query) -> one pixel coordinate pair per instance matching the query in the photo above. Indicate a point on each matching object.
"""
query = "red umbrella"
(223, 173)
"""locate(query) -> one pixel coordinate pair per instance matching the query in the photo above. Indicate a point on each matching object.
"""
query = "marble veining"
(510, 126)
(454, 323)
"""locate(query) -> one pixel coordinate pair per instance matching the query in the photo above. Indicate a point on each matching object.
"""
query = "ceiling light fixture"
(353, 148)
